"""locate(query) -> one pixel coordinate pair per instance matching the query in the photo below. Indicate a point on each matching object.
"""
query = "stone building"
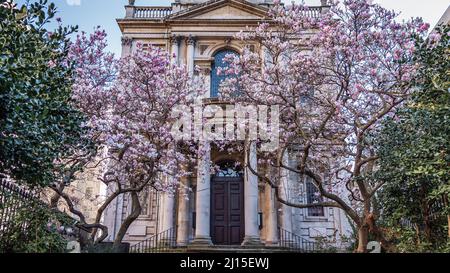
(230, 207)
(445, 18)
(86, 192)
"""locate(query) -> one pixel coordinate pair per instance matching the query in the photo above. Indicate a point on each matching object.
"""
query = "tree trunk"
(425, 214)
(426, 221)
(135, 212)
(363, 237)
(448, 227)
(418, 240)
(100, 211)
(54, 200)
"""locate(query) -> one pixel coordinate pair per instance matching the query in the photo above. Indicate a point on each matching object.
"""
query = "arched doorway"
(227, 204)
(219, 63)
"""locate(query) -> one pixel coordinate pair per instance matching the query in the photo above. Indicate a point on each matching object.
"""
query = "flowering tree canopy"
(334, 78)
(128, 104)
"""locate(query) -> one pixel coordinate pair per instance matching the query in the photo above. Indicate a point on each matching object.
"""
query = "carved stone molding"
(175, 39)
(127, 41)
(191, 40)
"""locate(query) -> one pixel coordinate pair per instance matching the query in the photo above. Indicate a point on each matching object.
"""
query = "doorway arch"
(227, 204)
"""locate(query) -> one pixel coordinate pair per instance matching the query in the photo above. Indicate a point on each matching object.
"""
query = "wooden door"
(227, 210)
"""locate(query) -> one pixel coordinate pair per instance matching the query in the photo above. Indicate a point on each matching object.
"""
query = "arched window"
(228, 168)
(219, 63)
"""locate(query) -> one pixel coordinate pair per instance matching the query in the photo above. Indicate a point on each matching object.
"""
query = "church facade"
(229, 207)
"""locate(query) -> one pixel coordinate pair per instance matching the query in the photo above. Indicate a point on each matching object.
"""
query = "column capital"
(191, 40)
(127, 41)
(175, 39)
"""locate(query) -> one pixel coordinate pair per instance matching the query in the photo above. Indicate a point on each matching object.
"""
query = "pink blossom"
(423, 27)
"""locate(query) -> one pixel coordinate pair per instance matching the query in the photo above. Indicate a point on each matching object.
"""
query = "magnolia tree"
(334, 79)
(128, 105)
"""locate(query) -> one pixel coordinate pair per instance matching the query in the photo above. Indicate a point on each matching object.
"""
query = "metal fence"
(161, 242)
(15, 202)
(12, 200)
(295, 242)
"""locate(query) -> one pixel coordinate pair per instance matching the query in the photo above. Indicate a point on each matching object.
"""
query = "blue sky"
(90, 13)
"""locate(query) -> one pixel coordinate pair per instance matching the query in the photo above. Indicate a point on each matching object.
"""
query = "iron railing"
(161, 242)
(152, 12)
(12, 200)
(15, 202)
(295, 242)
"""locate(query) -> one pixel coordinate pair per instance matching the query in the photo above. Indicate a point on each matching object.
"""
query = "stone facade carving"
(190, 40)
(126, 41)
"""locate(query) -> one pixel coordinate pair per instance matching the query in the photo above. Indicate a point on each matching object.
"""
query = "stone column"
(286, 211)
(202, 205)
(183, 214)
(167, 216)
(127, 42)
(271, 226)
(251, 200)
(190, 54)
(175, 48)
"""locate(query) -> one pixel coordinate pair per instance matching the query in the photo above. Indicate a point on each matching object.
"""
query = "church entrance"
(227, 205)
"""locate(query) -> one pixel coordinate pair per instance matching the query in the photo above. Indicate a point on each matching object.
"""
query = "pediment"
(222, 10)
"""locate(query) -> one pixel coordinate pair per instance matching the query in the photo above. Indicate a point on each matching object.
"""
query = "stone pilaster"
(168, 213)
(286, 211)
(183, 214)
(252, 236)
(175, 48)
(271, 227)
(203, 210)
(190, 54)
(127, 43)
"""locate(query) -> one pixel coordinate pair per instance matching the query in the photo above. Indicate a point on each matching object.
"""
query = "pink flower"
(397, 54)
(51, 64)
(423, 27)
(434, 38)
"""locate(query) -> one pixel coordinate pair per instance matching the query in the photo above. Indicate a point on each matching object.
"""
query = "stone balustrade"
(162, 12)
(151, 12)
(313, 12)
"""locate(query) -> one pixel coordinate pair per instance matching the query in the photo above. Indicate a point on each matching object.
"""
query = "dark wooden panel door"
(227, 210)
(219, 212)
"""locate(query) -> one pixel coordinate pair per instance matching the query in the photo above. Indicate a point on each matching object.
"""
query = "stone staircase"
(166, 242)
(225, 249)
(237, 249)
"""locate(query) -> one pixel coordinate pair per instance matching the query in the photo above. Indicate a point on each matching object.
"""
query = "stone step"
(236, 249)
(226, 249)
